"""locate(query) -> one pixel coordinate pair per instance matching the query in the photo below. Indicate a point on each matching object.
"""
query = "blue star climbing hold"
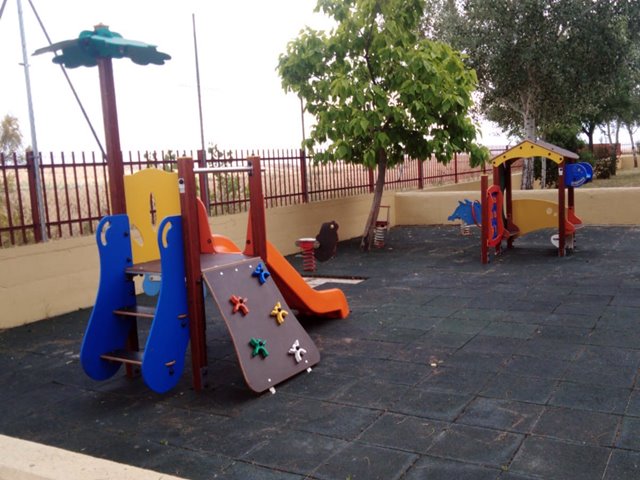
(261, 273)
(259, 347)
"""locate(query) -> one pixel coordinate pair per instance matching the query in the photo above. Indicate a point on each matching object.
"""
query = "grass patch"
(623, 178)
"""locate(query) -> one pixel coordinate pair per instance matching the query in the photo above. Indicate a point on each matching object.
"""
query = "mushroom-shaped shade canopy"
(103, 43)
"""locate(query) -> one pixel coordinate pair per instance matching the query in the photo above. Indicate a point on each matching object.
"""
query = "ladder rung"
(124, 356)
(136, 311)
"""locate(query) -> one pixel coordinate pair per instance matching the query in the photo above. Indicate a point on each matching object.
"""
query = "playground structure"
(504, 218)
(166, 234)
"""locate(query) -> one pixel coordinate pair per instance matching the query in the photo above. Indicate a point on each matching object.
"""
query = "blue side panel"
(107, 332)
(164, 354)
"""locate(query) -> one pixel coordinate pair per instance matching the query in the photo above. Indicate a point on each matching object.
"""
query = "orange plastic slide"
(330, 303)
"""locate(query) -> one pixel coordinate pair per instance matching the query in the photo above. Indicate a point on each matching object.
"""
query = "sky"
(239, 42)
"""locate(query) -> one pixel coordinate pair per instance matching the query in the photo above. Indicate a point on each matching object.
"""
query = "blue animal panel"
(106, 331)
(165, 350)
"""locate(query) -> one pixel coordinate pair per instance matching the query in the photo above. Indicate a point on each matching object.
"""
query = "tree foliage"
(543, 62)
(379, 91)
(10, 136)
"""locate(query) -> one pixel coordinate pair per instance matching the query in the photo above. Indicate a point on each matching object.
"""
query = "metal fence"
(75, 193)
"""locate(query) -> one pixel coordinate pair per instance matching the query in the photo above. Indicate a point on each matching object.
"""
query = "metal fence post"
(455, 167)
(204, 181)
(304, 176)
(33, 196)
(371, 181)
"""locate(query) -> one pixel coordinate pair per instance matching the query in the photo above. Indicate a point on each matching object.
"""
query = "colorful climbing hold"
(258, 347)
(261, 273)
(239, 304)
(297, 351)
(279, 313)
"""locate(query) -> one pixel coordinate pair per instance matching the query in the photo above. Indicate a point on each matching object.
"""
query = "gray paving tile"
(365, 461)
(476, 445)
(403, 432)
(579, 426)
(547, 458)
(433, 468)
(511, 416)
(591, 397)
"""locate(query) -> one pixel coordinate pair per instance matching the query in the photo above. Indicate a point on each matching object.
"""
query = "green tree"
(542, 62)
(379, 91)
(10, 136)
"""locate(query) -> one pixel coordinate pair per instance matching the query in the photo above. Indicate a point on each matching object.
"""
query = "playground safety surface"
(445, 369)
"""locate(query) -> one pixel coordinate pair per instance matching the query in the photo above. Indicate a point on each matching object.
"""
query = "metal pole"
(34, 141)
(204, 185)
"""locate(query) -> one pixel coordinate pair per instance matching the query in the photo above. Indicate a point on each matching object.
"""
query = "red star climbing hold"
(239, 304)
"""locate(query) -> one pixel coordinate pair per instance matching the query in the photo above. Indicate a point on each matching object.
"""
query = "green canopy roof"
(103, 43)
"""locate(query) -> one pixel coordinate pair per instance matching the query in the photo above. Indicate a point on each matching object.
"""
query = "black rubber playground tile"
(477, 445)
(547, 458)
(403, 432)
(507, 415)
(518, 387)
(595, 398)
(365, 461)
(445, 369)
(579, 426)
(433, 468)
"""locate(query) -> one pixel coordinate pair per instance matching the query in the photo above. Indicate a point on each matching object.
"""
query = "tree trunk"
(527, 167)
(369, 230)
(633, 146)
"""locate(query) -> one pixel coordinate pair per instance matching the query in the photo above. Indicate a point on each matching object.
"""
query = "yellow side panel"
(142, 190)
(530, 215)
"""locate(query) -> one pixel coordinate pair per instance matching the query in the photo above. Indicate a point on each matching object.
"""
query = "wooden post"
(484, 228)
(258, 238)
(561, 211)
(195, 301)
(112, 135)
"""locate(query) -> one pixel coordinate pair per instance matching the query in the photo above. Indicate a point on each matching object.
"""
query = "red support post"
(195, 301)
(561, 210)
(484, 228)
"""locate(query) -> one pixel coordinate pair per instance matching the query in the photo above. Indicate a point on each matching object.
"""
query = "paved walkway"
(446, 369)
